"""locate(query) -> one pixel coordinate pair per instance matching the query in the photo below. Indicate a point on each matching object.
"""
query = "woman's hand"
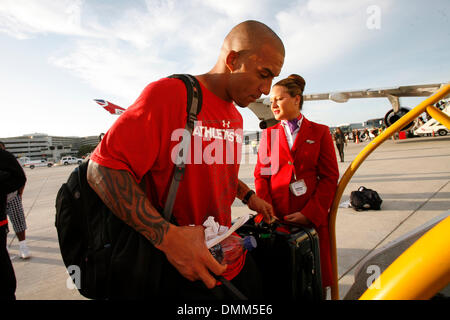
(299, 218)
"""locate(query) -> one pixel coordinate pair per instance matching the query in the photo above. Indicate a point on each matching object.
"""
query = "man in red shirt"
(132, 167)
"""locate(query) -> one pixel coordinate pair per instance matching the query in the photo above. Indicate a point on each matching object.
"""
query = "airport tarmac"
(412, 177)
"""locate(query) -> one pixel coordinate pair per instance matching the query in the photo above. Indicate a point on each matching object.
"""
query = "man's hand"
(255, 203)
(259, 205)
(186, 250)
(299, 218)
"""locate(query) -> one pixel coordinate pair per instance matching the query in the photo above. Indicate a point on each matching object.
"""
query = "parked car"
(38, 163)
(70, 160)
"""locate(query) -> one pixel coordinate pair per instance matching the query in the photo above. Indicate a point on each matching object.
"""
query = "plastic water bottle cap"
(250, 243)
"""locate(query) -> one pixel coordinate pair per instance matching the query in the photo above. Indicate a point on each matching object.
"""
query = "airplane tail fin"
(110, 107)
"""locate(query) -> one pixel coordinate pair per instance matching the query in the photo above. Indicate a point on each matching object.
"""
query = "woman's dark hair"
(295, 85)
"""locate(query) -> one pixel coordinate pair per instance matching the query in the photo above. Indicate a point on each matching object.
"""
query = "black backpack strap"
(84, 187)
(234, 292)
(194, 104)
(194, 97)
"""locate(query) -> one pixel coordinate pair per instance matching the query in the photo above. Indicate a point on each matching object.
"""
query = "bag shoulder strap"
(194, 105)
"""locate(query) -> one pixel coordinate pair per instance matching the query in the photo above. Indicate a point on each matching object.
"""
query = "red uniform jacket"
(313, 158)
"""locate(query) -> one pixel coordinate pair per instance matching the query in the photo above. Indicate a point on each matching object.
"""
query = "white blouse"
(291, 137)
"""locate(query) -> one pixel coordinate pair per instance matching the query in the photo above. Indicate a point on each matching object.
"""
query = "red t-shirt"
(145, 140)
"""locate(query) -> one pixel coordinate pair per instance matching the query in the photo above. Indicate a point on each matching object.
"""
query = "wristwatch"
(247, 196)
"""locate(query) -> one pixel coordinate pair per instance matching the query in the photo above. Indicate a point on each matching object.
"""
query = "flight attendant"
(297, 170)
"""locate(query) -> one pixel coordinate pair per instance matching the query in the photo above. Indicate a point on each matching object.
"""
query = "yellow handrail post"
(439, 116)
(386, 134)
(415, 275)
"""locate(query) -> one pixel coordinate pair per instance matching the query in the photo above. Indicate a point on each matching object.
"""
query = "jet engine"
(392, 117)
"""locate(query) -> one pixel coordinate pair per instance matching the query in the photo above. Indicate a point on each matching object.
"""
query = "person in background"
(14, 210)
(255, 146)
(300, 179)
(12, 178)
(339, 139)
(367, 134)
(355, 135)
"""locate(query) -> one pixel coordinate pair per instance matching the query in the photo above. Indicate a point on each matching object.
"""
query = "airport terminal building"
(42, 146)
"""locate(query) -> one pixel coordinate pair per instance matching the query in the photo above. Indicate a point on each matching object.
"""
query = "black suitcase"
(288, 258)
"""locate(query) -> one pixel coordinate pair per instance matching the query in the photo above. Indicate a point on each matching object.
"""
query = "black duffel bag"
(365, 199)
(105, 257)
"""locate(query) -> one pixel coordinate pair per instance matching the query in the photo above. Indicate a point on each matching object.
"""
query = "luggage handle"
(276, 222)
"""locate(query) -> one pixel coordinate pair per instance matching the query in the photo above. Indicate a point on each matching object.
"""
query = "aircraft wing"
(424, 90)
(110, 107)
(261, 107)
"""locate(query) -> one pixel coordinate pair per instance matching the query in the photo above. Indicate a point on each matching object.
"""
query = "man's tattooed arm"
(122, 194)
(184, 246)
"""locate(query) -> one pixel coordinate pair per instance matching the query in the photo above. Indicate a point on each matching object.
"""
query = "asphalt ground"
(412, 177)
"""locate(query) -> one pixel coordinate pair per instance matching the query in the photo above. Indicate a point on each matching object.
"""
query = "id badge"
(298, 188)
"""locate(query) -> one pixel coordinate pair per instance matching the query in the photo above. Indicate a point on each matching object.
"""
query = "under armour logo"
(226, 124)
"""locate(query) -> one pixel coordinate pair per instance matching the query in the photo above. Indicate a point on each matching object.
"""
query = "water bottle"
(231, 248)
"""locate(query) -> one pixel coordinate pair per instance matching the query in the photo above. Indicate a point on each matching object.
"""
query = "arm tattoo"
(121, 193)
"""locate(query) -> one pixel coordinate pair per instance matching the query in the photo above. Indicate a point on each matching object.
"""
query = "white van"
(38, 163)
(23, 160)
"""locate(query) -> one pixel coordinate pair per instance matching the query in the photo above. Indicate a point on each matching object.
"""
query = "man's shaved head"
(249, 35)
(251, 56)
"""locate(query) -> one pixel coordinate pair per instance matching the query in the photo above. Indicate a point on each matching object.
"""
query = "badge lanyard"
(298, 187)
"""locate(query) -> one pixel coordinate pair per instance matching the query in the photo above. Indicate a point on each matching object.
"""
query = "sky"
(57, 56)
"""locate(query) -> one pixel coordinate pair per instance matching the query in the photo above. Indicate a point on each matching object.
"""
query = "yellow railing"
(426, 105)
(421, 271)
